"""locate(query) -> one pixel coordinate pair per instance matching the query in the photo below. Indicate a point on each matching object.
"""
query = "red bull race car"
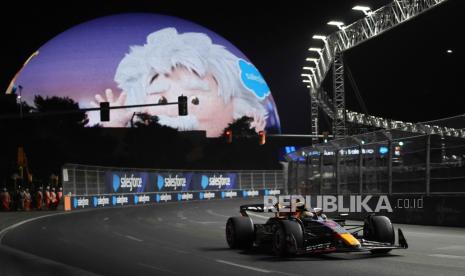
(305, 231)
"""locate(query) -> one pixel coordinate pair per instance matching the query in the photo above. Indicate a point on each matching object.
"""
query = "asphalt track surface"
(188, 239)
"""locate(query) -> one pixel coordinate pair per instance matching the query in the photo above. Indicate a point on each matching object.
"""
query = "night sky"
(404, 74)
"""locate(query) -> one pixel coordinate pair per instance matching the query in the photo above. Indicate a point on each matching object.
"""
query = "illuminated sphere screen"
(136, 59)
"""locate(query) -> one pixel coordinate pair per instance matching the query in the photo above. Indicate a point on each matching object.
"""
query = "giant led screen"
(133, 59)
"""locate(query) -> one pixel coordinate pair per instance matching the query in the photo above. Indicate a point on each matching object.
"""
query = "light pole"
(20, 88)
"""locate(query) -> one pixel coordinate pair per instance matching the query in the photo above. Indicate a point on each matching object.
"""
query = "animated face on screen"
(171, 64)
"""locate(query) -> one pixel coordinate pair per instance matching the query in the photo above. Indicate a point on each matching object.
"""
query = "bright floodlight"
(449, 51)
(366, 10)
(312, 49)
(338, 24)
(312, 59)
(306, 81)
(321, 37)
(308, 68)
(306, 75)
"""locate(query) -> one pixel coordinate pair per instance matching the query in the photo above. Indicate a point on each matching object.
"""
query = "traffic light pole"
(34, 114)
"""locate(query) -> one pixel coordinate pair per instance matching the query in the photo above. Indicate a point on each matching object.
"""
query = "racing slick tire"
(240, 232)
(379, 229)
(287, 238)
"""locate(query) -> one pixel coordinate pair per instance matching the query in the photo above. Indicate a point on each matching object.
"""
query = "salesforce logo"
(185, 196)
(171, 182)
(215, 181)
(100, 201)
(141, 199)
(272, 192)
(80, 202)
(163, 197)
(253, 80)
(206, 195)
(249, 193)
(126, 182)
(229, 194)
(121, 200)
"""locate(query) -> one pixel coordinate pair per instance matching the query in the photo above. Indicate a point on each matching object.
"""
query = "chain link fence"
(424, 158)
(91, 180)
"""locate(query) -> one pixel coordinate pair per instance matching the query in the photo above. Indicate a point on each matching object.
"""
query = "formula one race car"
(305, 231)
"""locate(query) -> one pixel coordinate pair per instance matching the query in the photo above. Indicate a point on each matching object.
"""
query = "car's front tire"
(287, 238)
(379, 229)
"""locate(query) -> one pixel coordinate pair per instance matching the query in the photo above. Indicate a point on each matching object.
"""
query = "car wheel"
(240, 232)
(379, 229)
(279, 241)
(287, 238)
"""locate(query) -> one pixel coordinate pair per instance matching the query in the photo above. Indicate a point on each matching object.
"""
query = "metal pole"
(360, 169)
(275, 179)
(251, 180)
(306, 174)
(263, 179)
(240, 180)
(337, 169)
(390, 167)
(98, 181)
(74, 181)
(428, 165)
(321, 171)
(85, 181)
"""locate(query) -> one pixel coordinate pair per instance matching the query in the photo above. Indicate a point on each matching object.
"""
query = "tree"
(241, 127)
(61, 105)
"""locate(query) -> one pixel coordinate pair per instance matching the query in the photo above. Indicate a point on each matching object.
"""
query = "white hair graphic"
(167, 49)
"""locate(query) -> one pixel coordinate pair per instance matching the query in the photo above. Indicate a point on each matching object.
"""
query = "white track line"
(11, 227)
(157, 268)
(244, 266)
(133, 238)
(211, 212)
(448, 256)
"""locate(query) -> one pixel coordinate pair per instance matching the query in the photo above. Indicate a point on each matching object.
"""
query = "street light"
(306, 75)
(306, 81)
(366, 10)
(338, 24)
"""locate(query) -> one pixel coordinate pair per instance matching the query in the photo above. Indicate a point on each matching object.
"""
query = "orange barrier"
(67, 203)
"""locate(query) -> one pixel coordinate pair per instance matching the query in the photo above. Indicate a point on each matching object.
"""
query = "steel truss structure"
(372, 25)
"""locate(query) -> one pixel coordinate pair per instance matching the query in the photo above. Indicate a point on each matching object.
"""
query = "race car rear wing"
(258, 208)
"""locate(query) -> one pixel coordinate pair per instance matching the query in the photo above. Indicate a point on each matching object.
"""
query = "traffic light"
(228, 135)
(182, 105)
(261, 137)
(104, 111)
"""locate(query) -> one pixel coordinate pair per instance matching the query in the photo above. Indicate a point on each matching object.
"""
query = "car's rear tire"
(287, 238)
(240, 232)
(379, 229)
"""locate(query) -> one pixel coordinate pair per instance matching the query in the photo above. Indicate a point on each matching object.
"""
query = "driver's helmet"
(279, 207)
(302, 211)
(300, 207)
